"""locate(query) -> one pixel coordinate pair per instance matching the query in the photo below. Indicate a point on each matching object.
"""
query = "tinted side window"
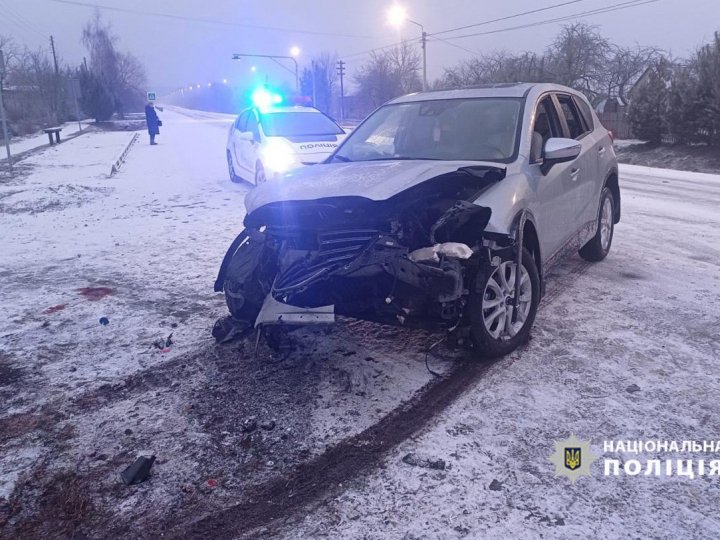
(572, 116)
(252, 125)
(546, 125)
(241, 122)
(586, 113)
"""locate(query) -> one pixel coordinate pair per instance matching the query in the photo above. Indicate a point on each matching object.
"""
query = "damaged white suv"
(423, 215)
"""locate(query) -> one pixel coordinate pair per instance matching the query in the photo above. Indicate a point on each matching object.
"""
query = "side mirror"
(559, 150)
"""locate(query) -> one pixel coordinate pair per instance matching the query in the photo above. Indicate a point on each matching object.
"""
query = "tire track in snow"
(282, 498)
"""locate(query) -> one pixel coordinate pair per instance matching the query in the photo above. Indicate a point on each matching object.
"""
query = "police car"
(267, 141)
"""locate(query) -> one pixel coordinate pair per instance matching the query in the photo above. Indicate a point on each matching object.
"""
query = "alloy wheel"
(497, 308)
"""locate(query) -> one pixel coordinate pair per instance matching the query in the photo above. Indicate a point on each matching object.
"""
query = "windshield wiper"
(404, 158)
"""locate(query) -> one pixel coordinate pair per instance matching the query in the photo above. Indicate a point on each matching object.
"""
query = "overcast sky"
(179, 52)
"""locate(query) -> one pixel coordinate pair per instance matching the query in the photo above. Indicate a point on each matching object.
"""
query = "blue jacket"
(153, 122)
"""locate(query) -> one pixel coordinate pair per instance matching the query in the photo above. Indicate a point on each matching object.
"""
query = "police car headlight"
(279, 156)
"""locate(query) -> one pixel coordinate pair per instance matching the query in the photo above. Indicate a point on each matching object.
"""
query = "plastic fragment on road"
(139, 471)
(104, 321)
(453, 250)
(164, 344)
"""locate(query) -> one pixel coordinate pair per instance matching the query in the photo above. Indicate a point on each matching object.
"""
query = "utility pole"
(424, 50)
(75, 91)
(57, 80)
(2, 112)
(314, 96)
(341, 72)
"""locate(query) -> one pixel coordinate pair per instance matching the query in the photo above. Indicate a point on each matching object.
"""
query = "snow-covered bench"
(50, 132)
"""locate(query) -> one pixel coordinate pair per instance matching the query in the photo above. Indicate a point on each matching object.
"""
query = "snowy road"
(647, 316)
(79, 400)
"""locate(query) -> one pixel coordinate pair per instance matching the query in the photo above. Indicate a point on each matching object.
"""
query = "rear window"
(575, 122)
(293, 124)
(585, 111)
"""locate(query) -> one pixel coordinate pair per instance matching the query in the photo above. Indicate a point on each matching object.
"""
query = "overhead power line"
(599, 11)
(446, 39)
(508, 17)
(205, 20)
(21, 22)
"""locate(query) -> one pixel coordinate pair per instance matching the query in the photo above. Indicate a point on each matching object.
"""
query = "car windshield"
(477, 129)
(293, 124)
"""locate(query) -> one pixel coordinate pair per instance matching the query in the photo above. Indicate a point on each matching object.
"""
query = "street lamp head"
(396, 15)
(295, 51)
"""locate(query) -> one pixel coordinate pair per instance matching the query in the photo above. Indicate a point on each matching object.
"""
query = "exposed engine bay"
(410, 259)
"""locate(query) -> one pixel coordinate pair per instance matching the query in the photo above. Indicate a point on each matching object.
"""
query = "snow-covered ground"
(80, 400)
(142, 249)
(38, 140)
(649, 315)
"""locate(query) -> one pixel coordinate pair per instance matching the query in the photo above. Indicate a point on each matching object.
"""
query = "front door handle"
(574, 173)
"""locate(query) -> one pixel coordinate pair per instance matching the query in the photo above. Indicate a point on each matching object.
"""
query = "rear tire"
(231, 169)
(599, 246)
(490, 310)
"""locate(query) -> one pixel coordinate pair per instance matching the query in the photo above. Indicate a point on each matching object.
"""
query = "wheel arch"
(531, 241)
(613, 184)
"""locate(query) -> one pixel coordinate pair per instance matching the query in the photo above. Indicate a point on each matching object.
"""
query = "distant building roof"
(610, 104)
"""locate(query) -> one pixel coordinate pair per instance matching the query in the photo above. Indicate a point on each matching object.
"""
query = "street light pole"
(423, 42)
(297, 79)
(396, 16)
(274, 58)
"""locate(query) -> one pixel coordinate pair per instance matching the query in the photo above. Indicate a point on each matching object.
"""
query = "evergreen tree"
(708, 91)
(649, 108)
(684, 112)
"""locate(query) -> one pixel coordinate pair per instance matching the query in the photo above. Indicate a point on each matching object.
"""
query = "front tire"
(599, 246)
(492, 329)
(260, 177)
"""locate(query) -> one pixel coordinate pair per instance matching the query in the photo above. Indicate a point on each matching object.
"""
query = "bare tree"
(325, 80)
(498, 67)
(132, 82)
(120, 74)
(9, 49)
(577, 58)
(389, 74)
(31, 100)
(405, 64)
(624, 67)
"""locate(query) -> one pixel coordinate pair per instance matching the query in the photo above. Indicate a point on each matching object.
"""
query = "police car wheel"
(260, 177)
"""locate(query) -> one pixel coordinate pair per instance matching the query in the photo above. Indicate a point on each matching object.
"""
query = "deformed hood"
(376, 181)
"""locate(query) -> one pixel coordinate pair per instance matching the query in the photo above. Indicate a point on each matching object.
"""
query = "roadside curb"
(117, 163)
